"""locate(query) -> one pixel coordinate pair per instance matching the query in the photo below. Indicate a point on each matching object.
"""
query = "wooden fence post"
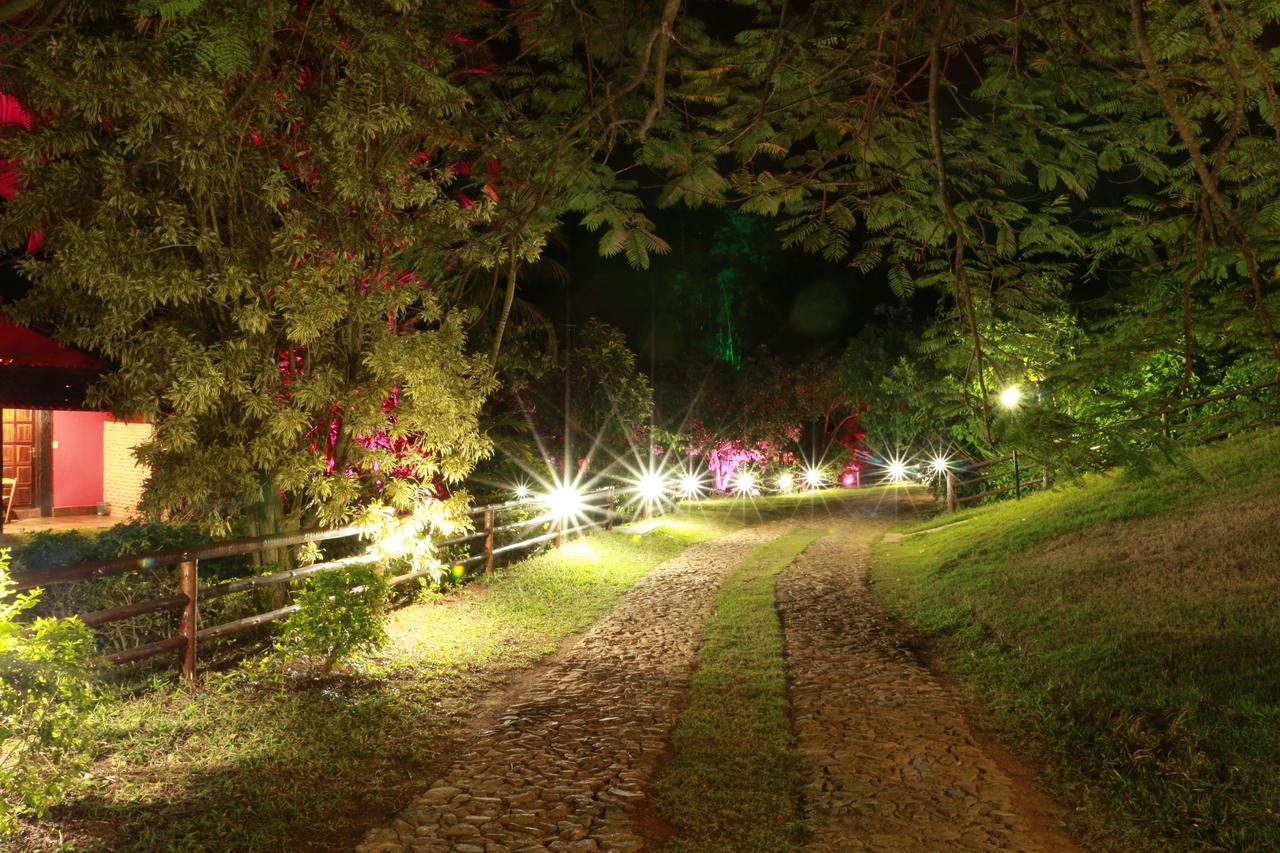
(188, 623)
(1017, 478)
(951, 491)
(1164, 424)
(488, 542)
(608, 511)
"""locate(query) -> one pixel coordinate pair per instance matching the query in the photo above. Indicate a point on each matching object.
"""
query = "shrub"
(45, 691)
(340, 613)
(49, 549)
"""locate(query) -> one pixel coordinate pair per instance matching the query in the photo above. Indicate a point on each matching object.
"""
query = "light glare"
(897, 470)
(786, 482)
(564, 502)
(522, 492)
(939, 464)
(745, 483)
(690, 486)
(651, 487)
(1010, 397)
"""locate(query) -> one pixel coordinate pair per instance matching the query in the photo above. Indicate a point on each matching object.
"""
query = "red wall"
(77, 458)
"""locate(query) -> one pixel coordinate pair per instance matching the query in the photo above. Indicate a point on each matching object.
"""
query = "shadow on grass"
(298, 770)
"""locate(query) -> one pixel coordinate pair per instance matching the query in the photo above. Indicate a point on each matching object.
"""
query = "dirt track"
(890, 762)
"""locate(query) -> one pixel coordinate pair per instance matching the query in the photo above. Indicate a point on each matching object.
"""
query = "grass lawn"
(1127, 631)
(253, 763)
(733, 779)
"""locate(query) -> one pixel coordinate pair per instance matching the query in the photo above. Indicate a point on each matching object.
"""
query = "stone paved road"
(890, 763)
(564, 768)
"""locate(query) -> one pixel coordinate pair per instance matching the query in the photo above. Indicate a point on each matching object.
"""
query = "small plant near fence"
(45, 691)
(339, 614)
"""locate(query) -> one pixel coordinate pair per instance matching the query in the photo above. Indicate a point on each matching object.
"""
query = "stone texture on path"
(889, 762)
(565, 766)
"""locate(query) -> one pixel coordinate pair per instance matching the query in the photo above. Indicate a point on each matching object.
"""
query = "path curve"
(889, 761)
(563, 769)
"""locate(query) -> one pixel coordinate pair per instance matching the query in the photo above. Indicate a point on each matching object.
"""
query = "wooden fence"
(1016, 473)
(599, 508)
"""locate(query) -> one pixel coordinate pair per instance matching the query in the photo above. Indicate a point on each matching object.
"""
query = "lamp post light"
(1011, 397)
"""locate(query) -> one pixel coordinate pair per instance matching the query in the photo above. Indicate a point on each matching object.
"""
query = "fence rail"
(601, 506)
(960, 479)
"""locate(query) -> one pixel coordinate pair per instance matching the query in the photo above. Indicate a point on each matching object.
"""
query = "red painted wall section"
(77, 458)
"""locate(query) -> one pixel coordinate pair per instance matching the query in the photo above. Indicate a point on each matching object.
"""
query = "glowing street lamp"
(813, 478)
(896, 470)
(1011, 397)
(939, 464)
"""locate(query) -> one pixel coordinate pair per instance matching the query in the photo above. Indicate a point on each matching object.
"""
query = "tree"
(1021, 158)
(254, 212)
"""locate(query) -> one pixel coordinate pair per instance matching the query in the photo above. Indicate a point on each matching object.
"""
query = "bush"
(340, 614)
(45, 692)
(48, 549)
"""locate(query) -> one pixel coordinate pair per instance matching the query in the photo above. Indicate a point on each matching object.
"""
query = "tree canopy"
(299, 228)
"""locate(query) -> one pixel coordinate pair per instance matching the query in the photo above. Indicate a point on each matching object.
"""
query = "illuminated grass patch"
(1128, 631)
(733, 779)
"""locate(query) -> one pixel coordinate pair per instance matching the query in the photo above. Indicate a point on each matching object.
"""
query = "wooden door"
(18, 429)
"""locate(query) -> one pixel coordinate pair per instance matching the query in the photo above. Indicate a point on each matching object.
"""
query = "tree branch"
(1208, 177)
(965, 292)
(507, 300)
(660, 68)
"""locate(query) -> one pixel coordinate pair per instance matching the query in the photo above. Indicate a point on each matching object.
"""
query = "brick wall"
(122, 476)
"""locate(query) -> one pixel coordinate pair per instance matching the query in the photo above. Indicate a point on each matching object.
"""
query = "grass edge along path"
(1125, 631)
(733, 781)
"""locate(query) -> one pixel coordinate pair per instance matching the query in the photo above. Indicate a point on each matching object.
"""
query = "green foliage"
(48, 549)
(236, 217)
(45, 692)
(340, 613)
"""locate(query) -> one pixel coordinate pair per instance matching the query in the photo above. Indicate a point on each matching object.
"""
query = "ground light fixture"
(745, 483)
(563, 502)
(690, 487)
(786, 482)
(813, 478)
(651, 487)
(897, 470)
(1011, 397)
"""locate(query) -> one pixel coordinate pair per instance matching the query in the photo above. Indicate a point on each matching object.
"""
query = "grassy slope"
(240, 764)
(1128, 631)
(732, 782)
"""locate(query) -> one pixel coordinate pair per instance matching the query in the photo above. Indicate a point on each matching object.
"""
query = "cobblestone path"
(889, 761)
(563, 768)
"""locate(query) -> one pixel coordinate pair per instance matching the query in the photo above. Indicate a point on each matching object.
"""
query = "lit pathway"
(564, 768)
(889, 761)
